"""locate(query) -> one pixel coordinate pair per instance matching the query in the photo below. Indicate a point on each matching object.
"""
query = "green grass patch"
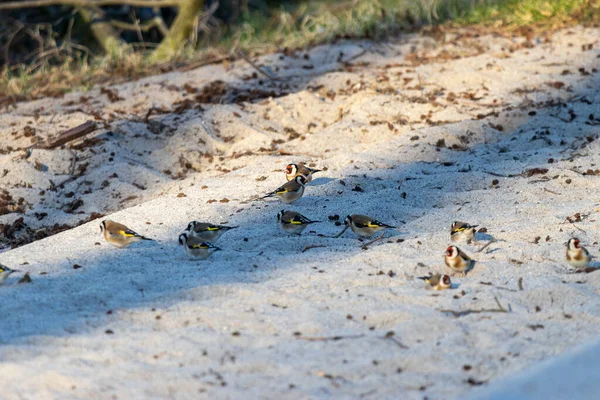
(299, 25)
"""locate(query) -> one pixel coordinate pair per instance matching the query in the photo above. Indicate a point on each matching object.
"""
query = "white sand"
(228, 327)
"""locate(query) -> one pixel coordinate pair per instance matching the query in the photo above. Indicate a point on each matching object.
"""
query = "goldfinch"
(577, 255)
(365, 226)
(293, 170)
(437, 282)
(194, 247)
(293, 222)
(119, 235)
(461, 232)
(207, 232)
(291, 191)
(457, 260)
(5, 272)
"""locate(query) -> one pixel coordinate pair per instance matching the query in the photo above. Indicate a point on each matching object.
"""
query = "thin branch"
(486, 245)
(14, 5)
(341, 233)
(155, 22)
(256, 67)
(313, 246)
(378, 238)
(502, 175)
(550, 191)
(462, 313)
(70, 135)
(328, 338)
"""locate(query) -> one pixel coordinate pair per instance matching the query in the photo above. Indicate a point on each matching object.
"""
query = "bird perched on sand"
(293, 222)
(457, 260)
(291, 191)
(293, 170)
(365, 226)
(437, 282)
(207, 232)
(194, 247)
(5, 272)
(461, 232)
(119, 235)
(577, 255)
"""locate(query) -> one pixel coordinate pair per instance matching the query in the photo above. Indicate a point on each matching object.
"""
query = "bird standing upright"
(293, 222)
(206, 231)
(577, 255)
(293, 170)
(290, 191)
(457, 260)
(365, 226)
(194, 247)
(461, 232)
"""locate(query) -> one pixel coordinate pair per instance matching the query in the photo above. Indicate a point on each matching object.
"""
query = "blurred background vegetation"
(48, 47)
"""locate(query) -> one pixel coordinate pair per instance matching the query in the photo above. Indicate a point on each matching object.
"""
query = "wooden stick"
(70, 135)
(467, 312)
(13, 5)
(486, 245)
(328, 338)
(256, 67)
(378, 238)
(341, 233)
(313, 246)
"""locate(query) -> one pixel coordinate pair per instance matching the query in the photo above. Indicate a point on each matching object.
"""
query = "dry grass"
(307, 24)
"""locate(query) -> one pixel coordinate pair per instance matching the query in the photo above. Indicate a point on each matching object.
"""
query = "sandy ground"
(498, 131)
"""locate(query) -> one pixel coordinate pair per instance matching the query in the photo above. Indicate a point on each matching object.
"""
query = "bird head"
(291, 169)
(451, 251)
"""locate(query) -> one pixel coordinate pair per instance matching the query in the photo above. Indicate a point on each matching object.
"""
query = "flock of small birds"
(198, 238)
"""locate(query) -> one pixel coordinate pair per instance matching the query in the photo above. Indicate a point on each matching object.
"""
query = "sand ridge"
(490, 130)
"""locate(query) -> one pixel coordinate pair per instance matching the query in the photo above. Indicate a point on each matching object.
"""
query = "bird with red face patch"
(293, 170)
(437, 282)
(457, 260)
(577, 255)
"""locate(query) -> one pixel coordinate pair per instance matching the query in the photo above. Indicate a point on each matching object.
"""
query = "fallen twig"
(70, 135)
(502, 175)
(396, 341)
(313, 246)
(328, 338)
(550, 191)
(486, 245)
(378, 238)
(462, 313)
(256, 67)
(72, 175)
(341, 233)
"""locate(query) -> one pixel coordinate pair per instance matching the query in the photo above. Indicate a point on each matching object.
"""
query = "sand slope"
(423, 130)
